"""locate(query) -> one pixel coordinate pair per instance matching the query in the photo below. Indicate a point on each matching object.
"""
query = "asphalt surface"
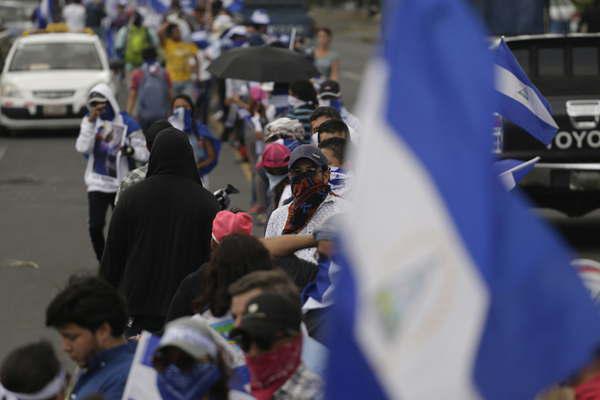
(43, 207)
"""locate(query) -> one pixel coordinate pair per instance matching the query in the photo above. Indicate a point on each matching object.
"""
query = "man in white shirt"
(74, 15)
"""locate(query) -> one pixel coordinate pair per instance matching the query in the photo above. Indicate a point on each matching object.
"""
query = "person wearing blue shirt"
(90, 315)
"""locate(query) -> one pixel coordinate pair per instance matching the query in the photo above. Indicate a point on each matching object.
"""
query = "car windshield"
(55, 56)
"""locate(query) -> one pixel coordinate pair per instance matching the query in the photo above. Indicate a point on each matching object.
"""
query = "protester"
(150, 91)
(334, 128)
(278, 282)
(312, 201)
(32, 372)
(180, 58)
(275, 161)
(270, 335)
(286, 131)
(160, 231)
(327, 61)
(206, 147)
(236, 256)
(303, 101)
(121, 18)
(74, 15)
(225, 223)
(91, 316)
(257, 28)
(94, 14)
(335, 151)
(112, 141)
(131, 41)
(320, 115)
(190, 363)
(330, 96)
(139, 174)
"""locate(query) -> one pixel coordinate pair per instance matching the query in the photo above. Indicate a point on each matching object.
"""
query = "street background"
(43, 202)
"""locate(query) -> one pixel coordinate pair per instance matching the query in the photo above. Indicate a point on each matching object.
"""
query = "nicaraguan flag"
(512, 171)
(449, 288)
(520, 101)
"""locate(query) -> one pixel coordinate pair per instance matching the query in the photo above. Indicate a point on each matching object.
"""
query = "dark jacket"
(189, 290)
(106, 374)
(161, 228)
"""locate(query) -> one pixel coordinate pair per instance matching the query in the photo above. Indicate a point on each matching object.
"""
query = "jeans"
(98, 203)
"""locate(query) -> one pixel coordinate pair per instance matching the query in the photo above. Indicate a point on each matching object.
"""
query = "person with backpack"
(150, 91)
(132, 39)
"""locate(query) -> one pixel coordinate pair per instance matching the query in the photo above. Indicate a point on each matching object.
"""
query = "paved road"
(43, 213)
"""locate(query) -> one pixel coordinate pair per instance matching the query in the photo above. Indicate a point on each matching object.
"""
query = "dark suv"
(566, 69)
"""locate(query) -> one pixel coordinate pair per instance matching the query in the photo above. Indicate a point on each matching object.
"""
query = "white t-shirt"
(74, 16)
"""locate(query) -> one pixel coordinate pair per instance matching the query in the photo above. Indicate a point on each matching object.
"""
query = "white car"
(46, 79)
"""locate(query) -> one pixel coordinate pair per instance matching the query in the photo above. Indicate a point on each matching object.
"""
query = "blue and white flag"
(519, 100)
(449, 288)
(511, 172)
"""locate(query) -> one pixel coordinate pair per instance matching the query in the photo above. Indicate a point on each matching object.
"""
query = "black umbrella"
(263, 64)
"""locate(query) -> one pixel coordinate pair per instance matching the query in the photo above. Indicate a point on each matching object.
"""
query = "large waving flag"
(520, 101)
(449, 288)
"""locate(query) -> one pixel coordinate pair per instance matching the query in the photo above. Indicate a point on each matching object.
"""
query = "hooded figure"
(160, 231)
(111, 141)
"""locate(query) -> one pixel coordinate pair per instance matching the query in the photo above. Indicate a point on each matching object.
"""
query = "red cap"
(275, 155)
(227, 223)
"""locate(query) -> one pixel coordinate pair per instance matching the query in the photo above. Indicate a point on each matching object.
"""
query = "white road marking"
(353, 76)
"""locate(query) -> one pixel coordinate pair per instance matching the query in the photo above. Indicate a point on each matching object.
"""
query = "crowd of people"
(237, 315)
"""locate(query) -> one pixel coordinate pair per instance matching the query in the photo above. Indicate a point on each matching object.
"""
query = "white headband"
(50, 390)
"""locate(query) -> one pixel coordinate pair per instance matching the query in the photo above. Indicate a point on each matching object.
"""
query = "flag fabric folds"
(518, 98)
(449, 288)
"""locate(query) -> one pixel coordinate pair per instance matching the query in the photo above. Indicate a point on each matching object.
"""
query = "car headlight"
(10, 90)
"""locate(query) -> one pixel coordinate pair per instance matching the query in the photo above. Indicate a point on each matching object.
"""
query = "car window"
(551, 62)
(585, 61)
(55, 56)
(522, 56)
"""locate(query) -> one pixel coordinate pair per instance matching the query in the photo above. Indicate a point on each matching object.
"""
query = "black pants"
(98, 203)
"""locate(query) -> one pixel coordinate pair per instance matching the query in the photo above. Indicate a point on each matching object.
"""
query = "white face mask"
(275, 180)
(294, 101)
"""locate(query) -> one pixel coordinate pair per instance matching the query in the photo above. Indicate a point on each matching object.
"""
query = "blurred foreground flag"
(520, 101)
(449, 288)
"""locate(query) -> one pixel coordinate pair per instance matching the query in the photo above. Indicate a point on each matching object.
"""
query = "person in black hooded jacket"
(160, 232)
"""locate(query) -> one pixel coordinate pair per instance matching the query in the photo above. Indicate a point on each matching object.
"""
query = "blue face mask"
(182, 119)
(108, 114)
(174, 384)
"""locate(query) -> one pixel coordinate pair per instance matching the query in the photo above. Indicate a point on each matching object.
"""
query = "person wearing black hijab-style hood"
(160, 232)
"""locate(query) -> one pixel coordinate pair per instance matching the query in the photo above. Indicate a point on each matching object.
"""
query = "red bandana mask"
(269, 371)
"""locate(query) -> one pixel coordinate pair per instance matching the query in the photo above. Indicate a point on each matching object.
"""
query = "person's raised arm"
(285, 245)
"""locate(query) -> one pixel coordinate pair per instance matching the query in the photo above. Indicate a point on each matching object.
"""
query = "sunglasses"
(312, 171)
(245, 341)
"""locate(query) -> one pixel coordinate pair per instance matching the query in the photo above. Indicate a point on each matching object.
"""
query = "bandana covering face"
(182, 119)
(308, 193)
(173, 384)
(269, 371)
